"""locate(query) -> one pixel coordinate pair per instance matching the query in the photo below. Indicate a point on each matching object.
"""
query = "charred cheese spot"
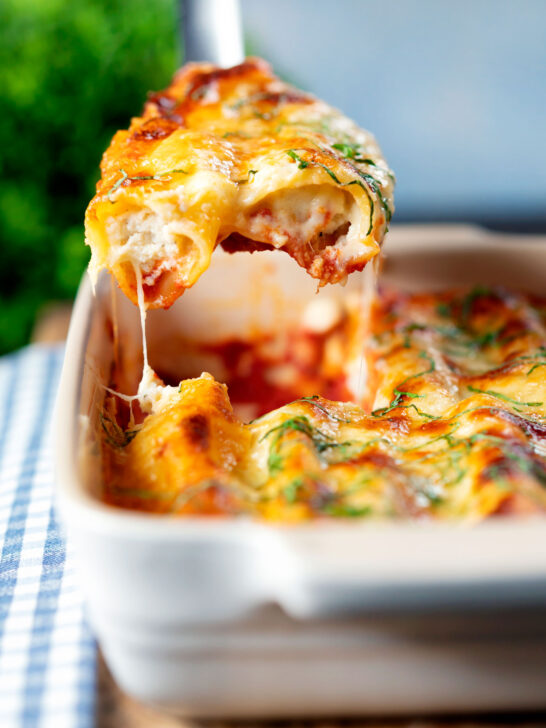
(197, 430)
(196, 443)
(153, 130)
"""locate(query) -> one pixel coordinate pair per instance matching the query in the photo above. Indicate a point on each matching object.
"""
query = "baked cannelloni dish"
(451, 424)
(236, 157)
(446, 415)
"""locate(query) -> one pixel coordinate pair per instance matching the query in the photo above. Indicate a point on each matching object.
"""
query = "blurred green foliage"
(71, 73)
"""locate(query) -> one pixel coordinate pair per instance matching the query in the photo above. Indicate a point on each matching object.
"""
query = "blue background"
(454, 91)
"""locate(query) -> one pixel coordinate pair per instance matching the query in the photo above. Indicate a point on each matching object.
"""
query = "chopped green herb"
(525, 461)
(322, 442)
(500, 395)
(266, 116)
(370, 200)
(245, 100)
(302, 164)
(345, 510)
(351, 151)
(399, 394)
(433, 497)
(420, 412)
(321, 407)
(240, 134)
(536, 366)
(487, 338)
(376, 187)
(159, 174)
(408, 330)
(251, 173)
(274, 462)
(331, 173)
(118, 184)
(348, 150)
(443, 309)
(125, 176)
(298, 423)
(290, 491)
(114, 435)
(470, 298)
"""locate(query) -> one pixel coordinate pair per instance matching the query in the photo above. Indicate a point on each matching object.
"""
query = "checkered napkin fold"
(47, 654)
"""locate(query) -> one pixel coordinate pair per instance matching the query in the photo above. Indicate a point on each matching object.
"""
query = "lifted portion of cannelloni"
(237, 157)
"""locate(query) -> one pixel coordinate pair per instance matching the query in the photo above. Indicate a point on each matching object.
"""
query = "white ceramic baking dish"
(235, 618)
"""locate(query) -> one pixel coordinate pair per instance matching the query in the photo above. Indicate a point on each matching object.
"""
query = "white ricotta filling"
(303, 215)
(146, 239)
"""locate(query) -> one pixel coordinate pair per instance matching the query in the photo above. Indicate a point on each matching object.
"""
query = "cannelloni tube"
(236, 157)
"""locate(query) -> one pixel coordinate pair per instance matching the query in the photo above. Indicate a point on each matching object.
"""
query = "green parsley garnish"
(321, 407)
(345, 510)
(251, 173)
(351, 151)
(468, 301)
(500, 395)
(399, 393)
(536, 366)
(125, 176)
(443, 309)
(302, 164)
(240, 134)
(114, 435)
(290, 491)
(370, 183)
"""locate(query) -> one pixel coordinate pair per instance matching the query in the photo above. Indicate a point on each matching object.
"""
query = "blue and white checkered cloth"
(47, 654)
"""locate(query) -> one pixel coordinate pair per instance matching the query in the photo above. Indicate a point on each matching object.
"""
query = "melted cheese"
(235, 156)
(456, 428)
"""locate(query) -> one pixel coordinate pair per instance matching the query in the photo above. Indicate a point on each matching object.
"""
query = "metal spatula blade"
(212, 31)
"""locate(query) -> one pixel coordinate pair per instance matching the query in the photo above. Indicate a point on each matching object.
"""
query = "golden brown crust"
(217, 157)
(181, 460)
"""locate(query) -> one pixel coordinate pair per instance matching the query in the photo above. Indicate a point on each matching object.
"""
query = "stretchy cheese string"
(115, 322)
(125, 397)
(146, 370)
(142, 312)
(115, 325)
(152, 394)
